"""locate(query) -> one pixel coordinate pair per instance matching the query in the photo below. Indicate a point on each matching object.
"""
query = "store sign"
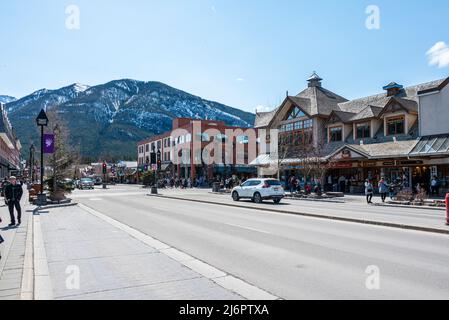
(410, 163)
(346, 154)
(369, 164)
(389, 163)
(342, 165)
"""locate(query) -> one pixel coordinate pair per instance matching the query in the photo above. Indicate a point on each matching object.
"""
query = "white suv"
(258, 190)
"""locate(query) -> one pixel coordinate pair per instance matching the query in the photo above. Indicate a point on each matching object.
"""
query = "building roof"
(432, 145)
(322, 101)
(343, 116)
(380, 100)
(263, 119)
(392, 149)
(367, 113)
(318, 101)
(436, 87)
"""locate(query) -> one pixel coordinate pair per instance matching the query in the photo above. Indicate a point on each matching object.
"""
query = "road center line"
(247, 228)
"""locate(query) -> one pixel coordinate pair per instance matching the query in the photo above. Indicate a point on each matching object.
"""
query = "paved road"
(290, 256)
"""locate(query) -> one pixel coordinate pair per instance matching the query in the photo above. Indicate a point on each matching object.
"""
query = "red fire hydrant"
(447, 209)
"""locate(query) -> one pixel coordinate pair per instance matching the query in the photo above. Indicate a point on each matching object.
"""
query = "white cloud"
(438, 55)
(261, 109)
(240, 79)
(214, 10)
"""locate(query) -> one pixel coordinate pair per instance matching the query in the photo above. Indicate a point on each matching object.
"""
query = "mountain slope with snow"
(108, 119)
(7, 99)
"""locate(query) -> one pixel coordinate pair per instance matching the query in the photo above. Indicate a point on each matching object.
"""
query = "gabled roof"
(263, 119)
(408, 105)
(367, 113)
(342, 116)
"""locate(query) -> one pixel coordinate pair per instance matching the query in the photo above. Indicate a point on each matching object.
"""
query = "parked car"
(86, 183)
(98, 181)
(68, 184)
(259, 190)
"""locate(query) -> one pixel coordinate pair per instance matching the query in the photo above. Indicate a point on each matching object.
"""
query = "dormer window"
(296, 113)
(395, 126)
(335, 134)
(363, 130)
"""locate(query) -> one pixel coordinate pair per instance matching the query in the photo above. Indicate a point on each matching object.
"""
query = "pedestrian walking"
(13, 195)
(369, 191)
(342, 183)
(434, 186)
(383, 189)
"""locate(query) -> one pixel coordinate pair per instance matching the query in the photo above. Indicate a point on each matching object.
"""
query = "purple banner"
(49, 143)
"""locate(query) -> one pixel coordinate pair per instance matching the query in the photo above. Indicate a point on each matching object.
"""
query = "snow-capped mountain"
(7, 99)
(108, 119)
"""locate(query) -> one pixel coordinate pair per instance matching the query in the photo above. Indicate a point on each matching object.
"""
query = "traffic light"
(105, 168)
(159, 165)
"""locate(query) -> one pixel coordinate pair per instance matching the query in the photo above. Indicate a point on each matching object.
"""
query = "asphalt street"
(290, 256)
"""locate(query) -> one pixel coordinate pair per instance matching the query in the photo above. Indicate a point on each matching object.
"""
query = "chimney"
(314, 80)
(393, 89)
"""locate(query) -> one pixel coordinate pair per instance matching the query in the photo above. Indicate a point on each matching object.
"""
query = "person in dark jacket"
(13, 195)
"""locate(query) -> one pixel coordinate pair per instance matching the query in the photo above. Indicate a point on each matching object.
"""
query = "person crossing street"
(13, 195)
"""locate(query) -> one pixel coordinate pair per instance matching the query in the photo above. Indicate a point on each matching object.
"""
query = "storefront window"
(363, 130)
(335, 134)
(395, 126)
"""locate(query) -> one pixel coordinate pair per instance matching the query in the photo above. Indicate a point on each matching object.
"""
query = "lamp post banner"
(49, 143)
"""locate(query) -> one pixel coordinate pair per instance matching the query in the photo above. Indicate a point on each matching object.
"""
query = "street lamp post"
(42, 121)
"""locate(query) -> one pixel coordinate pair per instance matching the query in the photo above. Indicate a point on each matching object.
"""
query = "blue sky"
(244, 53)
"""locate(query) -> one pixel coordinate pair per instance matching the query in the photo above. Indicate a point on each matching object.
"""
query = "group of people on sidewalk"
(384, 187)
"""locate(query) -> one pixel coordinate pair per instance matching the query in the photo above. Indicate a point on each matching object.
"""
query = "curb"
(27, 289)
(408, 207)
(320, 216)
(62, 205)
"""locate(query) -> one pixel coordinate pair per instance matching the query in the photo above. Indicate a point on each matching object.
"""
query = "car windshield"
(86, 180)
(272, 183)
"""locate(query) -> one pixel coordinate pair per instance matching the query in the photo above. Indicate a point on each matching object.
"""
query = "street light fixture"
(42, 121)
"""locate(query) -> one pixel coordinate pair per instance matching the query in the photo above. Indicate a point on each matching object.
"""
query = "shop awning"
(166, 166)
(432, 146)
(263, 160)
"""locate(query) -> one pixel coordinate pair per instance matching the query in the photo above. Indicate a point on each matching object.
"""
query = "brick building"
(196, 136)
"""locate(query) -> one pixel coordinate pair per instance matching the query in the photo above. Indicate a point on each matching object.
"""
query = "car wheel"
(277, 201)
(235, 196)
(257, 198)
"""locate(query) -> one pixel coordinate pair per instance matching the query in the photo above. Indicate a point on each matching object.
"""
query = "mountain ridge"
(107, 120)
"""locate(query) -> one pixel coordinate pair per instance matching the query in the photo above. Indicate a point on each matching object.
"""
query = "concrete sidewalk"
(82, 254)
(356, 211)
(13, 252)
